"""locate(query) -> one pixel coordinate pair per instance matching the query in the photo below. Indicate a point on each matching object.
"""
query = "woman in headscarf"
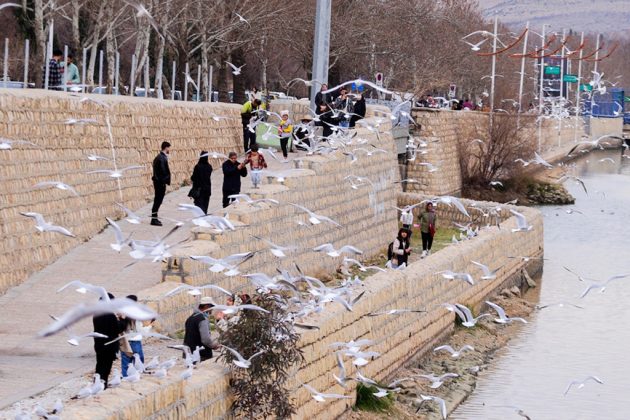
(202, 186)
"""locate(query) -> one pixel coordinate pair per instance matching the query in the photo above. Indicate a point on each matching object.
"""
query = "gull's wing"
(97, 290)
(60, 229)
(484, 268)
(521, 221)
(467, 313)
(251, 307)
(196, 211)
(570, 385)
(128, 168)
(39, 219)
(235, 353)
(215, 287)
(351, 249)
(497, 308)
(120, 238)
(178, 289)
(445, 347)
(232, 65)
(324, 247)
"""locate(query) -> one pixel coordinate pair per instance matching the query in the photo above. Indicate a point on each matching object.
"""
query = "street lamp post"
(321, 45)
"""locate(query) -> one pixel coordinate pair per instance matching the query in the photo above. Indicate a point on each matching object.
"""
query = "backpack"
(390, 251)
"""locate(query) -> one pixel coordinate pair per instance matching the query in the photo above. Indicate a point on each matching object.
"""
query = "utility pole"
(577, 92)
(321, 46)
(520, 87)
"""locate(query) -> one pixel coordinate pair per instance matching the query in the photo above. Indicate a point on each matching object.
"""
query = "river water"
(561, 344)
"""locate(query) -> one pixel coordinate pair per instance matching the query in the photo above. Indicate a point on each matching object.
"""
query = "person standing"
(197, 330)
(111, 326)
(359, 110)
(401, 248)
(72, 77)
(256, 163)
(323, 109)
(161, 178)
(133, 332)
(232, 173)
(427, 228)
(406, 218)
(285, 129)
(201, 182)
(248, 115)
(344, 104)
(55, 71)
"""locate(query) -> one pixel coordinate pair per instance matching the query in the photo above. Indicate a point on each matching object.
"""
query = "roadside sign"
(553, 70)
(379, 79)
(570, 78)
(585, 87)
(452, 89)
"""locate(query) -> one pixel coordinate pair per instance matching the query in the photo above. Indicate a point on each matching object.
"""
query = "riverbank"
(487, 339)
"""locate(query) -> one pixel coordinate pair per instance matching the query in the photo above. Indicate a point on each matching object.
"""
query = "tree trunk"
(40, 40)
(238, 82)
(96, 37)
(110, 50)
(76, 35)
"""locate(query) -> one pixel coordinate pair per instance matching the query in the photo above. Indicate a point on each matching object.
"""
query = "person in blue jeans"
(133, 331)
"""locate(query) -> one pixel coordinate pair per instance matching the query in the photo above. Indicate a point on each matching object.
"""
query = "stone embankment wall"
(138, 127)
(443, 130)
(397, 338)
(366, 216)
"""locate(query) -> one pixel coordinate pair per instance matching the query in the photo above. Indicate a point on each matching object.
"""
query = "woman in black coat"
(202, 186)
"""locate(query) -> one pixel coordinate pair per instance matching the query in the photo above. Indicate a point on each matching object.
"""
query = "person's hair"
(426, 207)
(400, 232)
(70, 55)
(232, 154)
(253, 147)
(246, 299)
(205, 305)
(256, 101)
(57, 52)
(165, 144)
(203, 159)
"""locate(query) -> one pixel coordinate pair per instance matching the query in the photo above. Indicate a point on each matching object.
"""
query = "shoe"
(424, 254)
(156, 222)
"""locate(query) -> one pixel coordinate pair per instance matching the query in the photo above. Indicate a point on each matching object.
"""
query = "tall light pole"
(577, 93)
(541, 92)
(520, 87)
(321, 46)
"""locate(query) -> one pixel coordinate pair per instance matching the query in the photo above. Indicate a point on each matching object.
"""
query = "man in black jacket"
(161, 178)
(111, 326)
(197, 330)
(232, 173)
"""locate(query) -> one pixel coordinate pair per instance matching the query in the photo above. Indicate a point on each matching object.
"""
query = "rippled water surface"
(563, 344)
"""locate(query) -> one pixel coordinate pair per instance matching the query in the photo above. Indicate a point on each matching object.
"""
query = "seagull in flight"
(455, 354)
(396, 312)
(117, 173)
(521, 222)
(240, 360)
(43, 226)
(315, 218)
(320, 397)
(438, 400)
(118, 234)
(438, 381)
(214, 155)
(331, 251)
(602, 286)
(581, 384)
(57, 184)
(306, 82)
(503, 318)
(196, 290)
(276, 250)
(468, 320)
(487, 273)
(241, 18)
(75, 339)
(6, 144)
(235, 70)
(132, 218)
(94, 158)
(358, 82)
(229, 263)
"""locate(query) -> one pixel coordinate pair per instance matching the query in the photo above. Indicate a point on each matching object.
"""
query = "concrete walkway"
(28, 365)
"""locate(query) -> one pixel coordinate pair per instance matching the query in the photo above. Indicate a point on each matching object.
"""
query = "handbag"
(194, 193)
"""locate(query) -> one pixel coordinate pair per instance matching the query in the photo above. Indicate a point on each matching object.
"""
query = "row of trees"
(415, 43)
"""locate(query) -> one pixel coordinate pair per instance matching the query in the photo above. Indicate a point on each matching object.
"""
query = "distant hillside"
(606, 16)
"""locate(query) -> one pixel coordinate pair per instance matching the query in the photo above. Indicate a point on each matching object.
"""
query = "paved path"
(28, 365)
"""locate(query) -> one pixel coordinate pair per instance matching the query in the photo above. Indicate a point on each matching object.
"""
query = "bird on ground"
(321, 397)
(196, 290)
(439, 401)
(330, 250)
(521, 222)
(44, 226)
(454, 354)
(438, 381)
(602, 286)
(132, 218)
(133, 375)
(503, 318)
(123, 306)
(487, 273)
(121, 241)
(315, 218)
(235, 70)
(229, 263)
(581, 384)
(186, 374)
(116, 173)
(276, 250)
(57, 184)
(240, 360)
(84, 392)
(7, 144)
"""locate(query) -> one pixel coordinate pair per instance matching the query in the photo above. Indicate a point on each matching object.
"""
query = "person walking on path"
(285, 128)
(257, 163)
(248, 114)
(406, 218)
(232, 173)
(427, 228)
(197, 330)
(111, 326)
(201, 182)
(134, 341)
(401, 248)
(161, 178)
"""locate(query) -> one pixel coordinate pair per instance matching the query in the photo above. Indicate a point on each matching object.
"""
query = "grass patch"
(366, 401)
(441, 240)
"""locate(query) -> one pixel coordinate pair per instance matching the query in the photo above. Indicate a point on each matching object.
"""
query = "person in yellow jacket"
(285, 129)
(249, 112)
